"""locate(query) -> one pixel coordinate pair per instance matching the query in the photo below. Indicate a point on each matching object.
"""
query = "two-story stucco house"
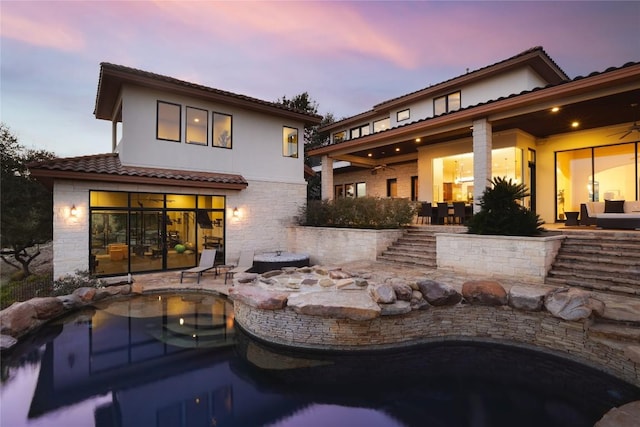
(192, 167)
(568, 140)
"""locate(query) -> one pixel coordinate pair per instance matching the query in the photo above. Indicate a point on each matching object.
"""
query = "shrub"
(501, 212)
(69, 283)
(361, 212)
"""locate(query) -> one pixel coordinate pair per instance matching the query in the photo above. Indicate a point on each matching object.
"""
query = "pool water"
(179, 361)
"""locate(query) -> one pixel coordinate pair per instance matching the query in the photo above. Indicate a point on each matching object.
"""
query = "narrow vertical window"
(392, 187)
(197, 123)
(221, 130)
(289, 142)
(168, 121)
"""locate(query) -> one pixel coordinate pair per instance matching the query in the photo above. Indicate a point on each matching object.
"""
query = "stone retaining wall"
(330, 245)
(465, 322)
(527, 258)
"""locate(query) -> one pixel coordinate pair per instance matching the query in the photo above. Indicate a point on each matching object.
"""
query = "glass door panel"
(146, 243)
(574, 183)
(615, 172)
(211, 232)
(181, 238)
(108, 242)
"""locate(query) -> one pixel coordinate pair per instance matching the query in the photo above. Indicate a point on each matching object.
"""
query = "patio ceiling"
(602, 112)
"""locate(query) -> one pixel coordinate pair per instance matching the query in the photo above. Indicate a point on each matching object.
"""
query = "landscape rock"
(396, 308)
(85, 294)
(382, 293)
(258, 297)
(69, 302)
(597, 306)
(354, 305)
(7, 342)
(339, 274)
(326, 282)
(245, 277)
(623, 416)
(344, 283)
(47, 307)
(403, 290)
(527, 298)
(438, 294)
(484, 292)
(271, 273)
(569, 303)
(18, 319)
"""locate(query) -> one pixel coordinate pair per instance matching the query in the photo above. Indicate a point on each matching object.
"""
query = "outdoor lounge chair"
(244, 264)
(207, 262)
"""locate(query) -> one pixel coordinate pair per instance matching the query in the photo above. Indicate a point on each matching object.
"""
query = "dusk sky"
(347, 55)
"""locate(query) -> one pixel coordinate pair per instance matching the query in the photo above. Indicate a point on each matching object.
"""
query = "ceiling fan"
(635, 127)
(383, 167)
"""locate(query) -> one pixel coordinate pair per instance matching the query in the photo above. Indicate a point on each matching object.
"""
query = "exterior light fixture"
(73, 211)
(236, 212)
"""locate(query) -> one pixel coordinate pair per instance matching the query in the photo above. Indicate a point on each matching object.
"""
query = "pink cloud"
(328, 29)
(36, 25)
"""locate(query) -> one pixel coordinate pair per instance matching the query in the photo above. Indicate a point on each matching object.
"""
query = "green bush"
(501, 212)
(361, 212)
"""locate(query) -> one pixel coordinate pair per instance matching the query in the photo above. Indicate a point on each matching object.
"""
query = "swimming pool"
(179, 360)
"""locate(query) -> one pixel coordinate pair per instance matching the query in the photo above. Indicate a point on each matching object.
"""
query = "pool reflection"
(180, 361)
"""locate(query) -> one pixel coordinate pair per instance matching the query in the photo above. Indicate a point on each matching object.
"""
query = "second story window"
(380, 125)
(402, 115)
(221, 130)
(447, 103)
(339, 136)
(289, 142)
(168, 121)
(197, 123)
(359, 131)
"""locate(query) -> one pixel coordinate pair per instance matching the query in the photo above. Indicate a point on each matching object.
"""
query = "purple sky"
(347, 55)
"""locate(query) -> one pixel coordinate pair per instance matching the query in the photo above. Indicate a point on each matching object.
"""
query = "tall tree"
(26, 206)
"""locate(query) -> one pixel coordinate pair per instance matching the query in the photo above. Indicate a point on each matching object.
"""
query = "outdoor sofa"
(612, 214)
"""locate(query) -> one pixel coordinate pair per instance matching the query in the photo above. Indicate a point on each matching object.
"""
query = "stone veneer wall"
(328, 245)
(267, 208)
(462, 322)
(527, 258)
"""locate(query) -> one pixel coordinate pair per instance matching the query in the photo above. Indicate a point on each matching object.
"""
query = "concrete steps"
(603, 262)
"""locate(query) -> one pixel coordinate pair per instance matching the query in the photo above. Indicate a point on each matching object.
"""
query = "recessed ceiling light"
(575, 124)
(418, 139)
(369, 155)
(197, 120)
(398, 149)
(555, 109)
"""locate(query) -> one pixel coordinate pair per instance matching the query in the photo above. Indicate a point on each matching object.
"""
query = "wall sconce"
(73, 212)
(236, 213)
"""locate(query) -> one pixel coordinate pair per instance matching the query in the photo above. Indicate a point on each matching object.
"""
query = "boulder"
(47, 308)
(70, 302)
(7, 342)
(396, 308)
(484, 292)
(85, 294)
(527, 298)
(403, 291)
(382, 293)
(245, 277)
(258, 297)
(418, 302)
(569, 303)
(626, 415)
(438, 294)
(354, 305)
(18, 319)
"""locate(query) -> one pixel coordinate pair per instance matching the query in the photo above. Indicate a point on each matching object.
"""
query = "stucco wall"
(328, 245)
(461, 322)
(256, 140)
(527, 258)
(266, 209)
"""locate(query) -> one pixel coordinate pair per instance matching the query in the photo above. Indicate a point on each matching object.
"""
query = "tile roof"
(107, 167)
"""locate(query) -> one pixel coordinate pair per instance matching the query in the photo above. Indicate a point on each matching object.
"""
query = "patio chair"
(207, 262)
(244, 264)
(443, 213)
(459, 212)
(426, 210)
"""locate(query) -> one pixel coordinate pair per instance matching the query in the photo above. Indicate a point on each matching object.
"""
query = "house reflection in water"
(164, 361)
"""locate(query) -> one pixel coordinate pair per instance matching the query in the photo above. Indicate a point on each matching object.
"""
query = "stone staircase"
(599, 261)
(417, 246)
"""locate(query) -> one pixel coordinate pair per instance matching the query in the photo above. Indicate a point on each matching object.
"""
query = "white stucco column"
(327, 178)
(482, 143)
